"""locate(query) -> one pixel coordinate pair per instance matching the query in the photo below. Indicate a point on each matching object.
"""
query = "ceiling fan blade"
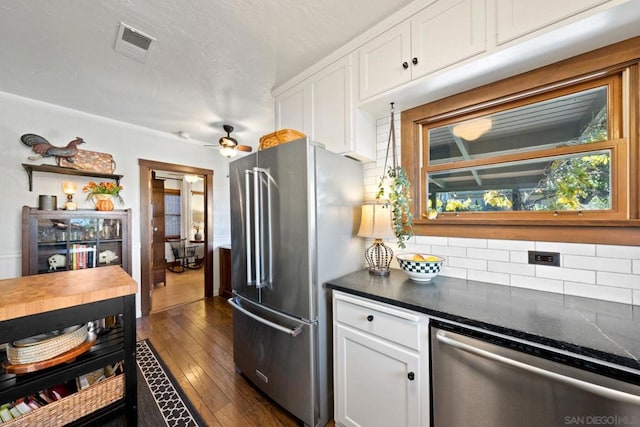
(245, 148)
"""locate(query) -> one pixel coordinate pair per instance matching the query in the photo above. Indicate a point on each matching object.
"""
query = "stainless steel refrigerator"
(294, 217)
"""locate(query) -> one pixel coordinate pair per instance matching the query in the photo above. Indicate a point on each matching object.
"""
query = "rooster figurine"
(43, 148)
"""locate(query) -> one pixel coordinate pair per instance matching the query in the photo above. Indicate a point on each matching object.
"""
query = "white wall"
(125, 142)
(603, 272)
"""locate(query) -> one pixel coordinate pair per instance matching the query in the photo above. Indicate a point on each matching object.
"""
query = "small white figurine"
(56, 261)
(107, 257)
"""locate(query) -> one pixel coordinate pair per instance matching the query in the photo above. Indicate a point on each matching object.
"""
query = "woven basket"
(47, 349)
(74, 406)
(279, 137)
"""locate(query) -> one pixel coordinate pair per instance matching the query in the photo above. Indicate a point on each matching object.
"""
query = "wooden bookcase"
(59, 240)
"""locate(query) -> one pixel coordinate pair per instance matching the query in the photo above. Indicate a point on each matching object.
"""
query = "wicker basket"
(47, 349)
(74, 406)
(279, 137)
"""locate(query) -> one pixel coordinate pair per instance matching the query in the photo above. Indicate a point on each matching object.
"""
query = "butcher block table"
(33, 305)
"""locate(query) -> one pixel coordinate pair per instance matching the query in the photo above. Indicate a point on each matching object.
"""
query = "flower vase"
(104, 202)
(198, 236)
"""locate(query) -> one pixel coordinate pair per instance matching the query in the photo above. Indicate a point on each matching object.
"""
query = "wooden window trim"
(620, 229)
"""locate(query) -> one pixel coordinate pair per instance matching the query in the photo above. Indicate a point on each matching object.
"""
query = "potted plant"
(102, 194)
(399, 191)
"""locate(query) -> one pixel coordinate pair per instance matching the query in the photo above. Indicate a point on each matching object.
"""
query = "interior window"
(172, 209)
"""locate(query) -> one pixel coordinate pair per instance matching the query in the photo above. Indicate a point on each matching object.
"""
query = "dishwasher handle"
(599, 390)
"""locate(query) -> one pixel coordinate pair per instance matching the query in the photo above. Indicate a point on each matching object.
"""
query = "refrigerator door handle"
(293, 332)
(257, 220)
(269, 271)
(599, 390)
(247, 224)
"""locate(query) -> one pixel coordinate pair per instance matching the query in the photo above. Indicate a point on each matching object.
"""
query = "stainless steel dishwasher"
(479, 379)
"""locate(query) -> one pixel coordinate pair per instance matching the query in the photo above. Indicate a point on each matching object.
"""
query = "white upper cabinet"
(444, 33)
(384, 61)
(516, 18)
(322, 106)
(329, 92)
(290, 109)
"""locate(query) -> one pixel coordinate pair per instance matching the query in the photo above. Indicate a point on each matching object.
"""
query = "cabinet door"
(290, 107)
(331, 106)
(373, 385)
(382, 59)
(446, 33)
(517, 18)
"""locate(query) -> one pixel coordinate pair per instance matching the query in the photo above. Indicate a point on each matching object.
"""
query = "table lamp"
(69, 188)
(376, 224)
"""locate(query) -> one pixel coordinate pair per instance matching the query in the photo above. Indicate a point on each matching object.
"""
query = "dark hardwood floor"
(195, 342)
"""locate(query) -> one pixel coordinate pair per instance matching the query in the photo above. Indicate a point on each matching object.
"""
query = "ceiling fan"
(229, 146)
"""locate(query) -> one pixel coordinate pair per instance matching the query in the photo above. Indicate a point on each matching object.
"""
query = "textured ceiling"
(214, 61)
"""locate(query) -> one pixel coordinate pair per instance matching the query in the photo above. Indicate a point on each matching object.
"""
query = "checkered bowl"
(420, 271)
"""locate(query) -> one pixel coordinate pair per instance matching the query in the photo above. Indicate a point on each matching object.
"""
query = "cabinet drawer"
(385, 322)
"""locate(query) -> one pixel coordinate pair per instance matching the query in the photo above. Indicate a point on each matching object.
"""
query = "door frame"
(146, 168)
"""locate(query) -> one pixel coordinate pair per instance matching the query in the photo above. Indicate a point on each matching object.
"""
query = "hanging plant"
(399, 189)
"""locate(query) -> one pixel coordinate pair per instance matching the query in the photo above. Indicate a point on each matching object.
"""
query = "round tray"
(67, 356)
(45, 346)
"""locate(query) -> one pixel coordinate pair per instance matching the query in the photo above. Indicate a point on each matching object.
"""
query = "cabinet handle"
(370, 318)
(411, 376)
(405, 65)
(415, 61)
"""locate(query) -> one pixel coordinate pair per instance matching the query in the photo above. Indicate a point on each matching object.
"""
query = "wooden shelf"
(65, 171)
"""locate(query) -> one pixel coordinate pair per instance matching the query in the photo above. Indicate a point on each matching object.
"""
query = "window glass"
(172, 209)
(577, 118)
(561, 183)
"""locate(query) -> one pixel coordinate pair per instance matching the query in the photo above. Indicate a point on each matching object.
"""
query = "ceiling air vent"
(133, 43)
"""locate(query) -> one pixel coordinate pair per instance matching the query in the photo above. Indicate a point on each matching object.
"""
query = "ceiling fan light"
(472, 129)
(228, 151)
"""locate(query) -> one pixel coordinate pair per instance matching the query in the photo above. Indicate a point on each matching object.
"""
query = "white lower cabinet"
(380, 364)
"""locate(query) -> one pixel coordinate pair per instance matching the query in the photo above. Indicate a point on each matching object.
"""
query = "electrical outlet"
(544, 258)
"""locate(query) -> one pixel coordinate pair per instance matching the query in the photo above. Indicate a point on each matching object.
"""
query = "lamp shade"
(69, 187)
(376, 221)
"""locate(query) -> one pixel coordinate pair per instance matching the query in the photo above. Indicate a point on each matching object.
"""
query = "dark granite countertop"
(599, 329)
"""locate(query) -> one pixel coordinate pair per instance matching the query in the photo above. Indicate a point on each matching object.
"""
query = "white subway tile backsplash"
(512, 245)
(468, 243)
(519, 257)
(511, 268)
(449, 251)
(432, 240)
(567, 248)
(615, 265)
(458, 273)
(473, 264)
(606, 293)
(537, 283)
(636, 266)
(560, 273)
(611, 251)
(488, 276)
(616, 279)
(488, 254)
(636, 297)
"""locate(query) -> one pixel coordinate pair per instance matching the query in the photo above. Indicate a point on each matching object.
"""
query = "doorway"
(147, 168)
